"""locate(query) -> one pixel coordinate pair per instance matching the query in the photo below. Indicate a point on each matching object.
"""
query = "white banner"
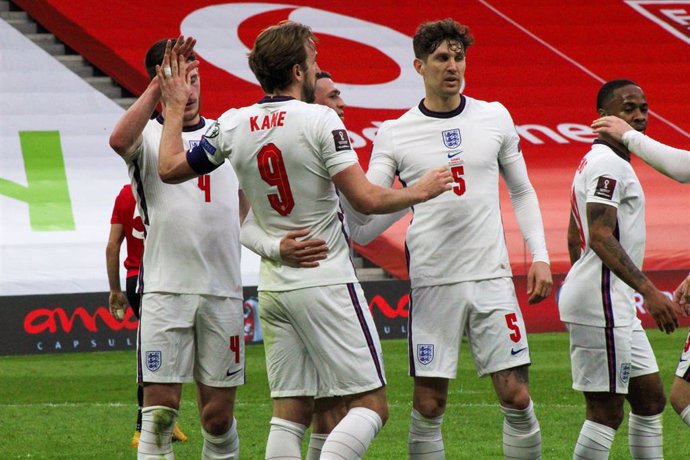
(58, 176)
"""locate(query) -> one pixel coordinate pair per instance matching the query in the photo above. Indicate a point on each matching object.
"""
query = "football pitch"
(83, 406)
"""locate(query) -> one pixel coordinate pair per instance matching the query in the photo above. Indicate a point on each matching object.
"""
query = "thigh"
(600, 358)
(496, 330)
(166, 349)
(435, 326)
(219, 360)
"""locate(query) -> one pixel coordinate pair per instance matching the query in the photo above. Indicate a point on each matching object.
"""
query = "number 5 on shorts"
(512, 322)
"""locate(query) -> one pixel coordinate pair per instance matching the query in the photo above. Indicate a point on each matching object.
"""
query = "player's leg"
(166, 355)
(601, 362)
(291, 377)
(437, 319)
(647, 400)
(429, 397)
(328, 412)
(339, 334)
(218, 370)
(134, 300)
(497, 337)
(680, 390)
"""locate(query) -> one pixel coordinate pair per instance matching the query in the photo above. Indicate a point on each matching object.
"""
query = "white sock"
(223, 447)
(316, 441)
(685, 415)
(425, 441)
(594, 442)
(521, 433)
(645, 436)
(157, 424)
(350, 438)
(285, 440)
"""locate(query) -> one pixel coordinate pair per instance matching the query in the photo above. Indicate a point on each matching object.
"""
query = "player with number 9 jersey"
(287, 178)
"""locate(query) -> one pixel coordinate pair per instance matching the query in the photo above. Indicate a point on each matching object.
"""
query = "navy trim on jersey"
(451, 114)
(266, 99)
(365, 329)
(199, 162)
(140, 193)
(185, 129)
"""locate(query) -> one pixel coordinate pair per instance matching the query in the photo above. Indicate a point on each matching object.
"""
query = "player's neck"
(437, 103)
(618, 148)
(294, 91)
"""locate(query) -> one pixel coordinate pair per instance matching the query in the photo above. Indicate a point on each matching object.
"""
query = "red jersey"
(125, 213)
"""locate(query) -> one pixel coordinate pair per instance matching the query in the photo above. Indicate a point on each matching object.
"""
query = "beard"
(309, 91)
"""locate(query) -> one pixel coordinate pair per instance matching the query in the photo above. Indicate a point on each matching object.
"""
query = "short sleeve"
(334, 142)
(605, 182)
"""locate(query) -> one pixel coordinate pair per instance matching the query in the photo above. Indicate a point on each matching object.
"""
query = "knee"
(216, 422)
(430, 405)
(518, 398)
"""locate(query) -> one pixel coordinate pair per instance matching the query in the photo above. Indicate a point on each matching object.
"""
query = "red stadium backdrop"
(543, 60)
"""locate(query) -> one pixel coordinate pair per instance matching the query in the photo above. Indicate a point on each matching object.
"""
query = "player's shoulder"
(479, 105)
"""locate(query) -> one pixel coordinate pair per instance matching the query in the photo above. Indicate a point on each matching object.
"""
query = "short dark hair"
(323, 74)
(276, 51)
(154, 56)
(606, 91)
(430, 35)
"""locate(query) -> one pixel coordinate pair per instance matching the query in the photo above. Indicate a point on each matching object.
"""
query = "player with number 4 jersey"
(192, 323)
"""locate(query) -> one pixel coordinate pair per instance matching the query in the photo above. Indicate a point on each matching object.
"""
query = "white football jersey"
(285, 152)
(192, 243)
(457, 236)
(591, 293)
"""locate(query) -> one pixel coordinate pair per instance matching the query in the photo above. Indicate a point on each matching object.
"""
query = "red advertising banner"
(543, 60)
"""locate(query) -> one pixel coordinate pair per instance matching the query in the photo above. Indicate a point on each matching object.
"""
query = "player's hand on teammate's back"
(435, 182)
(304, 253)
(663, 310)
(539, 282)
(117, 303)
(682, 293)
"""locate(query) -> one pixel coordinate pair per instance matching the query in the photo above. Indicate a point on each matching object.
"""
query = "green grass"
(83, 405)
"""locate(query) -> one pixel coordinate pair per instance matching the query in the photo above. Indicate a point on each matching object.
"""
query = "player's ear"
(297, 72)
(601, 112)
(418, 65)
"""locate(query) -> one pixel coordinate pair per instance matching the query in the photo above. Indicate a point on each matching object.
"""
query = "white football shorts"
(605, 359)
(320, 341)
(683, 369)
(189, 337)
(486, 312)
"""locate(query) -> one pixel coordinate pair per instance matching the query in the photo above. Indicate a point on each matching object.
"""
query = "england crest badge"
(452, 138)
(625, 372)
(425, 353)
(153, 360)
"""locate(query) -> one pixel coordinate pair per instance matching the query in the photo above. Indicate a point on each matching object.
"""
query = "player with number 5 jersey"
(290, 156)
(458, 261)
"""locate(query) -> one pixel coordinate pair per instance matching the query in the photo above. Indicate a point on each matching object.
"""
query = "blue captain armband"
(198, 160)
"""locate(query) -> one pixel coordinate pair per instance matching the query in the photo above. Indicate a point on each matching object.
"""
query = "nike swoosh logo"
(451, 155)
(228, 373)
(515, 352)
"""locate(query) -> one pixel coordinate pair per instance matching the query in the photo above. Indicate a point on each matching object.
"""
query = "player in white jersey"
(458, 261)
(290, 156)
(191, 326)
(610, 354)
(675, 163)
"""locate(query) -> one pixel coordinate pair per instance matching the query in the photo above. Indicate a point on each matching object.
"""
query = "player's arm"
(117, 300)
(526, 206)
(245, 206)
(295, 249)
(601, 219)
(672, 162)
(127, 134)
(574, 243)
(173, 166)
(365, 228)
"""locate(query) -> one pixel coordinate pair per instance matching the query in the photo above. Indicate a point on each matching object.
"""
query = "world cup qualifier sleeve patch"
(605, 187)
(341, 140)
